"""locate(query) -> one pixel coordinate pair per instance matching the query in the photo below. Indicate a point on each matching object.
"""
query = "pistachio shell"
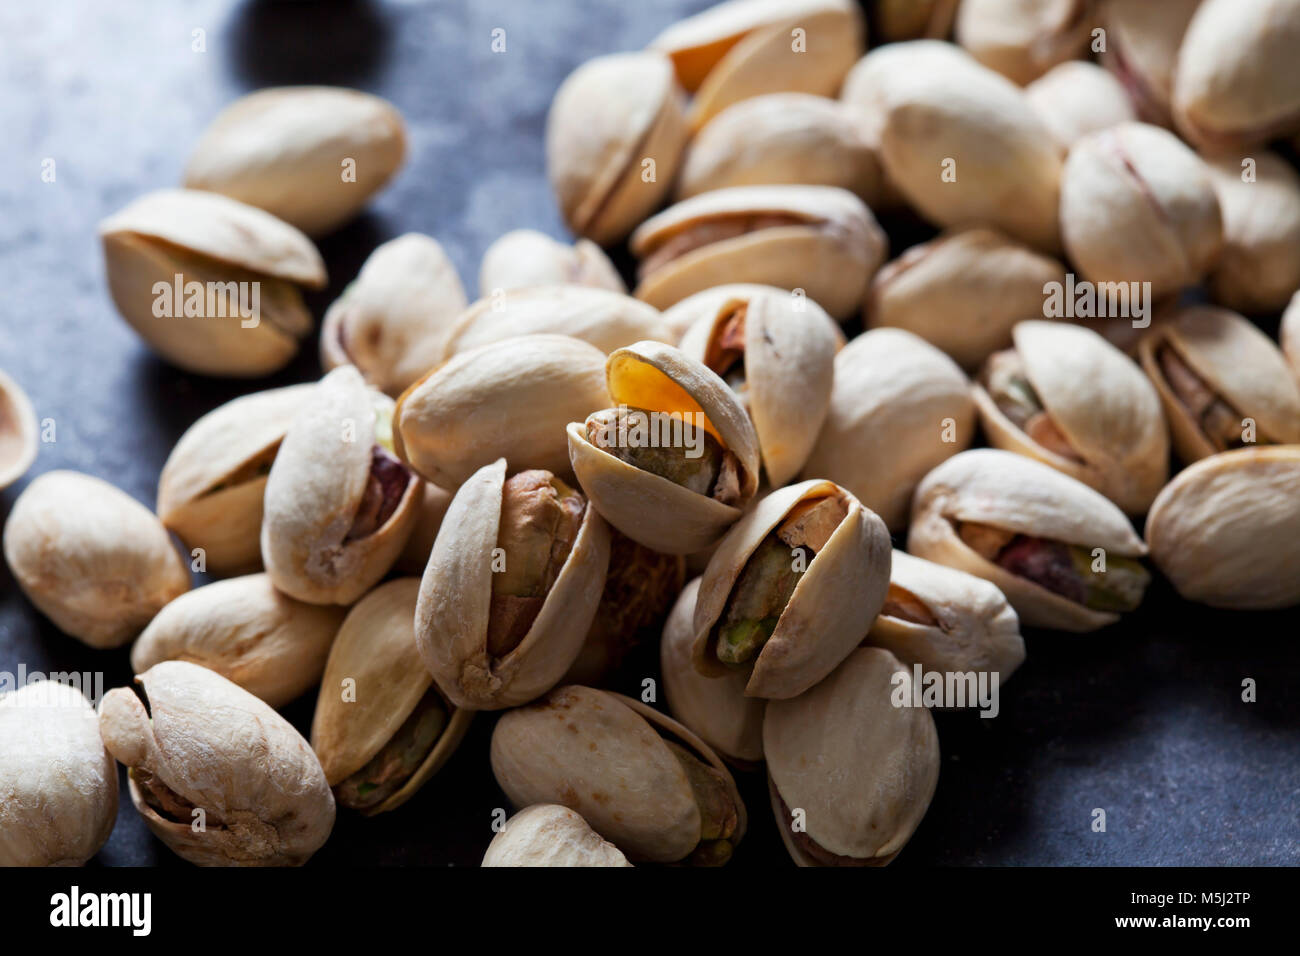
(1142, 51)
(896, 20)
(686, 313)
(1260, 266)
(1078, 97)
(91, 558)
(1023, 39)
(1290, 334)
(18, 436)
(546, 834)
(432, 508)
(526, 257)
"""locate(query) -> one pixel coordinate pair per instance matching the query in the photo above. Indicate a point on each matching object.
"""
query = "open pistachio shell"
(1143, 38)
(547, 834)
(686, 313)
(1260, 266)
(526, 257)
(1023, 39)
(1078, 97)
(1290, 335)
(18, 436)
(373, 683)
(885, 760)
(896, 20)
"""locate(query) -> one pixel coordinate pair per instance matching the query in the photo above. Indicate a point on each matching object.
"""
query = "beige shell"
(18, 435)
(817, 238)
(248, 632)
(896, 20)
(211, 487)
(1079, 97)
(526, 257)
(1290, 335)
(1016, 493)
(452, 616)
(1143, 38)
(1260, 266)
(91, 558)
(609, 118)
(508, 398)
(393, 320)
(1023, 39)
(652, 510)
(862, 770)
(315, 490)
(206, 238)
(288, 149)
(680, 317)
(375, 663)
(894, 402)
(1226, 531)
(211, 746)
(60, 785)
(604, 756)
(1099, 401)
(547, 834)
(1238, 362)
(432, 508)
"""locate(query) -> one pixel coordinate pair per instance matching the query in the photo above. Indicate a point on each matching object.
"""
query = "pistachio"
(248, 632)
(1076, 98)
(218, 776)
(91, 558)
(547, 834)
(895, 20)
(1143, 37)
(1260, 266)
(885, 760)
(211, 284)
(1290, 334)
(431, 509)
(526, 257)
(290, 150)
(1023, 39)
(381, 727)
(18, 441)
(640, 779)
(393, 320)
(686, 313)
(60, 785)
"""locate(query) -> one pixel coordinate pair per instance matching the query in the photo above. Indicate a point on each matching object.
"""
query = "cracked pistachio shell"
(832, 607)
(894, 400)
(1099, 401)
(1078, 97)
(547, 834)
(896, 20)
(652, 510)
(686, 313)
(432, 508)
(206, 238)
(821, 239)
(59, 783)
(373, 681)
(286, 150)
(1238, 363)
(248, 632)
(1143, 38)
(393, 320)
(316, 488)
(604, 756)
(453, 612)
(211, 487)
(885, 760)
(91, 558)
(509, 398)
(207, 744)
(1260, 266)
(1023, 39)
(1290, 334)
(1226, 530)
(526, 257)
(612, 115)
(18, 434)
(1015, 493)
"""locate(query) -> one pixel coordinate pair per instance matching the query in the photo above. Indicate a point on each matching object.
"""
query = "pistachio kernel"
(718, 815)
(1217, 419)
(398, 760)
(698, 462)
(1008, 385)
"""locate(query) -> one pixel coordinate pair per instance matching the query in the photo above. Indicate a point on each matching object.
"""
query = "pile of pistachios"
(763, 458)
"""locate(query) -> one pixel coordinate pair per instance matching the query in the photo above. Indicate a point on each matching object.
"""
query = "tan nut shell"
(655, 511)
(1260, 266)
(375, 650)
(862, 770)
(1078, 97)
(526, 257)
(1143, 38)
(1023, 39)
(1290, 335)
(1010, 491)
(261, 789)
(18, 435)
(1226, 531)
(59, 784)
(680, 317)
(91, 558)
(248, 632)
(547, 834)
(891, 403)
(451, 618)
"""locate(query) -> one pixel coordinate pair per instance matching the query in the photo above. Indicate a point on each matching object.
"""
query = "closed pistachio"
(218, 776)
(896, 20)
(1078, 97)
(1023, 39)
(1064, 555)
(1290, 334)
(91, 558)
(1260, 266)
(1142, 42)
(547, 834)
(18, 436)
(211, 284)
(431, 509)
(526, 257)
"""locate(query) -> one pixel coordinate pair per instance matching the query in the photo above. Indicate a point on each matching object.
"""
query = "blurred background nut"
(895, 20)
(546, 834)
(1078, 97)
(1142, 42)
(1023, 39)
(1260, 266)
(526, 257)
(91, 558)
(18, 436)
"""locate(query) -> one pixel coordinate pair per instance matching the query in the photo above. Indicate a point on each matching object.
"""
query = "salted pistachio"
(211, 284)
(1142, 42)
(640, 779)
(526, 257)
(885, 760)
(1290, 334)
(821, 239)
(962, 291)
(674, 464)
(1222, 381)
(896, 20)
(18, 435)
(91, 558)
(211, 487)
(1226, 530)
(431, 509)
(198, 748)
(1139, 206)
(1260, 266)
(1023, 39)
(899, 407)
(1064, 555)
(60, 784)
(547, 834)
(382, 727)
(393, 320)
(1068, 398)
(510, 398)
(339, 506)
(614, 138)
(1079, 97)
(248, 632)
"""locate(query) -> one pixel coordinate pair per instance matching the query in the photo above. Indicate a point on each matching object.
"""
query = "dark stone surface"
(1144, 719)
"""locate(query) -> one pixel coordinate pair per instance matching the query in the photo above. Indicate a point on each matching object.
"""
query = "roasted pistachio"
(1023, 39)
(686, 313)
(895, 20)
(547, 834)
(1143, 37)
(526, 257)
(1076, 98)
(1260, 266)
(18, 438)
